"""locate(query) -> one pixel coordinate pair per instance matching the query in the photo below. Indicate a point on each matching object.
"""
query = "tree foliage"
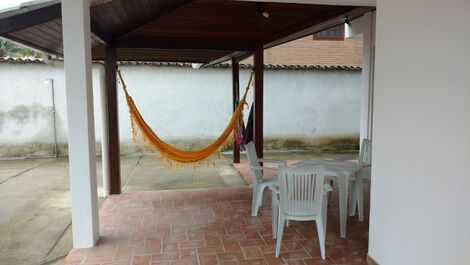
(9, 49)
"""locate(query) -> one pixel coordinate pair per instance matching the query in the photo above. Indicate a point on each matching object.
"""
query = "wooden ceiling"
(200, 31)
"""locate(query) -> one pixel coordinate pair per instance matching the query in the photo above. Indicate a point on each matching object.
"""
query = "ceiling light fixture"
(261, 8)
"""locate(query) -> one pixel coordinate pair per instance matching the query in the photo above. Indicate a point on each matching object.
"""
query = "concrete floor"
(35, 199)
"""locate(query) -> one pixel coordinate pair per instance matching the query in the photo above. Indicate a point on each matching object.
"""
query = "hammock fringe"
(172, 157)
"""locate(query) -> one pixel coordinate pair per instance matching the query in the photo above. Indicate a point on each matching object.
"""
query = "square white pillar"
(365, 26)
(104, 135)
(81, 131)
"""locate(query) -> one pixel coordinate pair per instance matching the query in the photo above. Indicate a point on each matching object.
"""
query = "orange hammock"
(172, 153)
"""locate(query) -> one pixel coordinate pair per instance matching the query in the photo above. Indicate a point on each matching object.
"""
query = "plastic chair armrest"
(327, 188)
(274, 187)
(360, 167)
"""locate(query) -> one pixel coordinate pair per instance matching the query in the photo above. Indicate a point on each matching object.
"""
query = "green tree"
(12, 50)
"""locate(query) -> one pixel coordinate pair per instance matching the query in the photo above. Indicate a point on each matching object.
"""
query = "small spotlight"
(261, 8)
(346, 20)
(196, 65)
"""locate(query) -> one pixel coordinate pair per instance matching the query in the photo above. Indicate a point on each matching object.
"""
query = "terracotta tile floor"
(213, 226)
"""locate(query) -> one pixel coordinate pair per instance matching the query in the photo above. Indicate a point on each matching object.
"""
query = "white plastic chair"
(363, 174)
(259, 183)
(302, 196)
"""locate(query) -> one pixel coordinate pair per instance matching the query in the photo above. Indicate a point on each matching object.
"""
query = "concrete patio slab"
(35, 198)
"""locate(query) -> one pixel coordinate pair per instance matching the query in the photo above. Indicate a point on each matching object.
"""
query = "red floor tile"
(211, 226)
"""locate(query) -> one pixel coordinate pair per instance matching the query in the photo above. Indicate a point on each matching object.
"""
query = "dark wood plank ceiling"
(231, 21)
(120, 16)
(199, 31)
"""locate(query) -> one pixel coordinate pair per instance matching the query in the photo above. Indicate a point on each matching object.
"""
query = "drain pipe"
(50, 81)
(104, 134)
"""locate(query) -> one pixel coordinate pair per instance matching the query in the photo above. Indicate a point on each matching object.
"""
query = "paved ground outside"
(35, 200)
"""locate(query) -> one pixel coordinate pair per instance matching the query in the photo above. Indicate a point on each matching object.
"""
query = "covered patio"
(416, 190)
(202, 32)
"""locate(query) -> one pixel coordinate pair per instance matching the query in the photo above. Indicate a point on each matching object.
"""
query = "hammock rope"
(178, 157)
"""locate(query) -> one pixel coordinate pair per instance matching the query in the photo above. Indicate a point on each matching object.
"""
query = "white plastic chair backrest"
(365, 153)
(301, 190)
(253, 162)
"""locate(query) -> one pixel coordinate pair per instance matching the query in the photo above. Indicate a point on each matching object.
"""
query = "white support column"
(79, 95)
(104, 134)
(365, 26)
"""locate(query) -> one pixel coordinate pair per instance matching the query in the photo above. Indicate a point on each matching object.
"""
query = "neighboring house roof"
(20, 60)
(162, 64)
(309, 52)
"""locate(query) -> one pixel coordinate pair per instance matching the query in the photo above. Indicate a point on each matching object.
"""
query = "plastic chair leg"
(259, 196)
(321, 236)
(255, 202)
(353, 198)
(360, 198)
(261, 200)
(274, 214)
(325, 211)
(280, 230)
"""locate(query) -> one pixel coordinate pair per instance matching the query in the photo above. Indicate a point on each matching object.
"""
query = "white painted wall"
(26, 103)
(420, 200)
(297, 103)
(186, 104)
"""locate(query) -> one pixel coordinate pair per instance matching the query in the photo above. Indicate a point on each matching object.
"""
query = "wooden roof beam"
(184, 44)
(236, 56)
(128, 31)
(28, 44)
(98, 32)
(30, 19)
(314, 25)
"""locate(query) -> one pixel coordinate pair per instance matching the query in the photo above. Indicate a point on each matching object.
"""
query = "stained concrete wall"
(188, 107)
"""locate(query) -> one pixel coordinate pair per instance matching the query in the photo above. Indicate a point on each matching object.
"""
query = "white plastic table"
(342, 171)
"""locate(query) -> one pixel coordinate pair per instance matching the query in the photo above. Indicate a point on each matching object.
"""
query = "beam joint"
(238, 56)
(128, 31)
(98, 32)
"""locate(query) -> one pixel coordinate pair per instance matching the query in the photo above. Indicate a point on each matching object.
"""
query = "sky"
(11, 3)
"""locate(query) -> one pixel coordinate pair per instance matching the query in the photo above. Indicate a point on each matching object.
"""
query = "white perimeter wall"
(184, 103)
(420, 206)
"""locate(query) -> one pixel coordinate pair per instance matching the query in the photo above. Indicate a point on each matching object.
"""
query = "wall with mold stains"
(304, 109)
